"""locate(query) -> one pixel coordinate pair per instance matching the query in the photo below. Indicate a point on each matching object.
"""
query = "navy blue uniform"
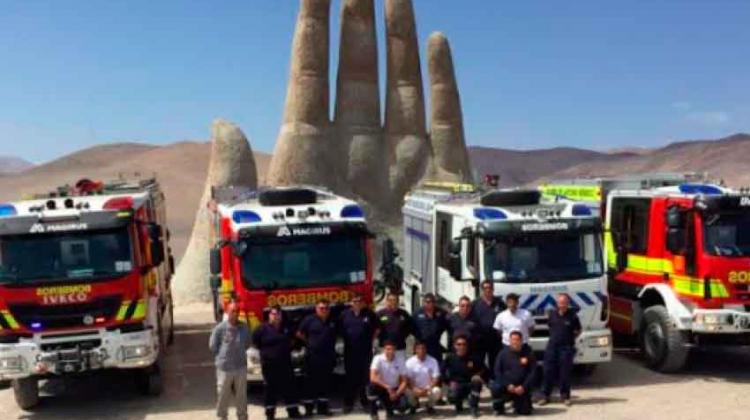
(275, 345)
(358, 331)
(429, 329)
(517, 368)
(394, 326)
(463, 376)
(560, 352)
(466, 327)
(489, 343)
(320, 359)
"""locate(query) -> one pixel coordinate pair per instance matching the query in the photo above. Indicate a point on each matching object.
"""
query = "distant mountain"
(725, 158)
(12, 164)
(180, 167)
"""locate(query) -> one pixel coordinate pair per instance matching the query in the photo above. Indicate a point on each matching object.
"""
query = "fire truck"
(84, 284)
(678, 252)
(457, 236)
(290, 247)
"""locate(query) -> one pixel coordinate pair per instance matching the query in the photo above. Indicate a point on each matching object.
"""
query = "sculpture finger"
(303, 149)
(357, 110)
(450, 159)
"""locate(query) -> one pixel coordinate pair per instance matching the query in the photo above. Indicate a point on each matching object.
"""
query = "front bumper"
(61, 354)
(719, 321)
(592, 346)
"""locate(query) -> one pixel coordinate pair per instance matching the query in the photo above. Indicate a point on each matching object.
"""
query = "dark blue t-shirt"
(320, 334)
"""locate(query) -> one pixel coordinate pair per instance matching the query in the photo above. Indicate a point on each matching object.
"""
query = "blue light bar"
(7, 210)
(245, 216)
(352, 211)
(36, 325)
(700, 189)
(581, 210)
(484, 213)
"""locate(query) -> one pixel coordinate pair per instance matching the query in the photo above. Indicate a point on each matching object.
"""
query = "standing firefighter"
(273, 341)
(430, 322)
(463, 324)
(229, 342)
(395, 325)
(485, 309)
(318, 332)
(564, 328)
(357, 326)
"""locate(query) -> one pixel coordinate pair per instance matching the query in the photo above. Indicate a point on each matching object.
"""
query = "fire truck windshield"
(727, 234)
(543, 257)
(61, 257)
(313, 261)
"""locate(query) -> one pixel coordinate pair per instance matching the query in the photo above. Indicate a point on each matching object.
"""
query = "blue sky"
(532, 74)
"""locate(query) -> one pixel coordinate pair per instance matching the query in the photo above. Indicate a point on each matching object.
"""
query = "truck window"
(629, 224)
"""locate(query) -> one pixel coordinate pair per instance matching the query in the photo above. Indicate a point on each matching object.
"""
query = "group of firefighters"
(489, 348)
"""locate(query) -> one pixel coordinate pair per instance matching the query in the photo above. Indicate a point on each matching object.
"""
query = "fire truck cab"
(288, 247)
(455, 237)
(84, 284)
(678, 254)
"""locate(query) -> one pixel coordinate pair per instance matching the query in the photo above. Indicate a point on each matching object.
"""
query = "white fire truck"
(84, 284)
(456, 237)
(289, 247)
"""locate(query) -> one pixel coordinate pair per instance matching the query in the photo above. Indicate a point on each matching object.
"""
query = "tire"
(218, 315)
(663, 345)
(149, 381)
(170, 337)
(378, 292)
(26, 391)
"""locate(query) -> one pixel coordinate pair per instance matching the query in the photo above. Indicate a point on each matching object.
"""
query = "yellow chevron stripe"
(10, 320)
(140, 310)
(123, 310)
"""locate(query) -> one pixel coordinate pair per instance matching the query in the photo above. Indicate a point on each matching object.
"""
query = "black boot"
(309, 409)
(293, 412)
(270, 413)
(459, 406)
(374, 410)
(323, 408)
(499, 408)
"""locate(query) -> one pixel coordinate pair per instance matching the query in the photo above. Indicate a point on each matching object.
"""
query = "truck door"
(449, 288)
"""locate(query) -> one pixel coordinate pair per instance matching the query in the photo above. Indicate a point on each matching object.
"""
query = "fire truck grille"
(36, 317)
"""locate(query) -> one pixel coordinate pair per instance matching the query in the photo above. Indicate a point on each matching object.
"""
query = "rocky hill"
(12, 164)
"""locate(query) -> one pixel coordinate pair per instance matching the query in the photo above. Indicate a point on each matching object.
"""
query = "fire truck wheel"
(149, 381)
(26, 391)
(663, 344)
(170, 337)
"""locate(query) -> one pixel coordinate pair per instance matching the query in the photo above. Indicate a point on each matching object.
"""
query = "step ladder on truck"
(456, 236)
(678, 254)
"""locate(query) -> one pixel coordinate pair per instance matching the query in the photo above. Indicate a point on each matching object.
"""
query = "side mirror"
(157, 252)
(389, 252)
(622, 258)
(454, 260)
(215, 283)
(215, 261)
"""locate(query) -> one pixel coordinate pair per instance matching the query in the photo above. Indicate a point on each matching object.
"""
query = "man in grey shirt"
(229, 342)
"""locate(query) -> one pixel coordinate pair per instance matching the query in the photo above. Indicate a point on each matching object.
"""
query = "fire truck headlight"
(135, 352)
(602, 341)
(253, 357)
(11, 364)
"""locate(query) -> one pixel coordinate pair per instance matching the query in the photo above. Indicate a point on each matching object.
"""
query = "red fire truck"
(678, 253)
(84, 284)
(288, 247)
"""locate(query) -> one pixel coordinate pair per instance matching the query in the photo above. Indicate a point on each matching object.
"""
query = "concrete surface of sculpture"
(231, 163)
(355, 153)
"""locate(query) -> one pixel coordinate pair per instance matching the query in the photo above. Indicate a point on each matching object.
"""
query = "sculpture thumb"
(232, 163)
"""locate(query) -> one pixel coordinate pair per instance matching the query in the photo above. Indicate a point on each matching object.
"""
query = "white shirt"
(506, 322)
(421, 373)
(389, 372)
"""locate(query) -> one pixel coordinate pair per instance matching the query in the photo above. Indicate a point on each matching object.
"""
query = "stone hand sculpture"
(231, 163)
(355, 153)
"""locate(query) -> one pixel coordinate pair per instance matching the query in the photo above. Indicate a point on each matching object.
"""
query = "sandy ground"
(715, 386)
